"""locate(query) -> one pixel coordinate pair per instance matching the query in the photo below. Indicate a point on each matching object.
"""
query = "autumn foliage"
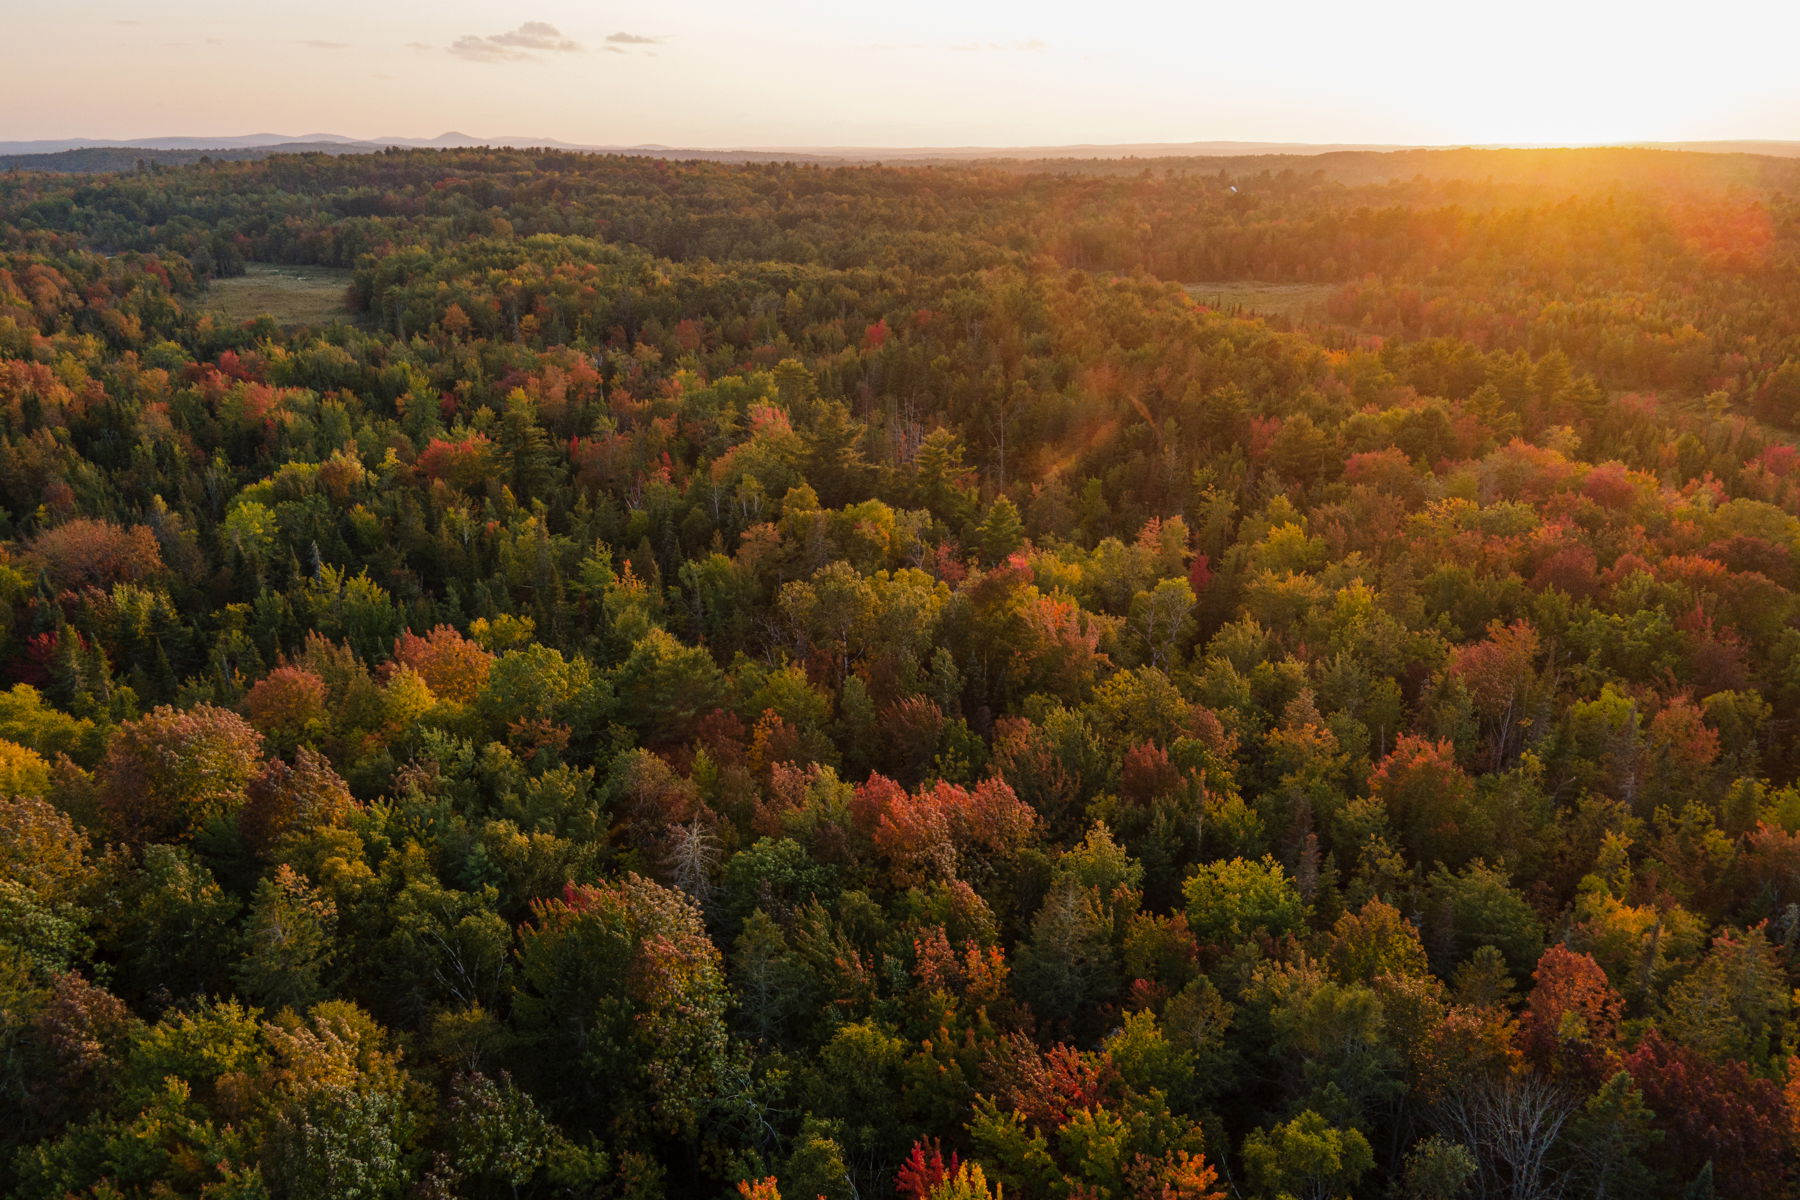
(89, 553)
(169, 773)
(1117, 680)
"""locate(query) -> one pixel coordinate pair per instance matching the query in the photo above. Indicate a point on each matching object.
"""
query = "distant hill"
(103, 159)
(1361, 161)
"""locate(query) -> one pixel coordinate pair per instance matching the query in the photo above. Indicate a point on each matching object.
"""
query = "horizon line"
(531, 141)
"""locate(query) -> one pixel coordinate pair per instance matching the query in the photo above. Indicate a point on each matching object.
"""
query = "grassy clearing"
(292, 295)
(1295, 301)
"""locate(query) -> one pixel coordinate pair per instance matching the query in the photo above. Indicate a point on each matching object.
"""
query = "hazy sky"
(928, 72)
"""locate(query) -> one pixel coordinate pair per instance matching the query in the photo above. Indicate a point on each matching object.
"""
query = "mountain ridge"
(452, 139)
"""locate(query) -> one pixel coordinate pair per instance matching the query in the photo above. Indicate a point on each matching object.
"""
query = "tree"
(1161, 619)
(1229, 903)
(338, 1141)
(1499, 674)
(81, 1035)
(1430, 800)
(1478, 906)
(1307, 1158)
(465, 463)
(495, 1133)
(345, 1117)
(1070, 968)
(23, 771)
(285, 801)
(1733, 1005)
(861, 1085)
(1609, 1141)
(1571, 1018)
(1438, 1169)
(664, 687)
(41, 849)
(815, 1166)
(171, 772)
(454, 667)
(1715, 1113)
(447, 950)
(168, 923)
(1335, 1040)
(945, 829)
(925, 1168)
(288, 706)
(88, 553)
(941, 480)
(1376, 941)
(622, 1000)
(28, 721)
(290, 941)
(1514, 1126)
(967, 1182)
(1001, 531)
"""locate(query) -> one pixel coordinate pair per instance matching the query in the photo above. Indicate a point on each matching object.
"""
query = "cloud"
(480, 49)
(535, 35)
(316, 44)
(522, 43)
(633, 43)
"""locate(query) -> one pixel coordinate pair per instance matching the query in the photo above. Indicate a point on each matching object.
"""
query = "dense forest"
(772, 680)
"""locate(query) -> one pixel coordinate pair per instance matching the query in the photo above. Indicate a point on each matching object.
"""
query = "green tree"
(290, 942)
(1001, 531)
(1231, 902)
(621, 1006)
(1306, 1158)
(664, 687)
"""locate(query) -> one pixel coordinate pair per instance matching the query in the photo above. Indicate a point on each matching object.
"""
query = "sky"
(794, 73)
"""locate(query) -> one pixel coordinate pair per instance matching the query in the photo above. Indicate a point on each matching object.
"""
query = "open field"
(292, 295)
(1295, 301)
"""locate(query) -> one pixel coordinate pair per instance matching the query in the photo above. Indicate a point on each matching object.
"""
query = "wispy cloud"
(535, 35)
(632, 43)
(527, 41)
(316, 44)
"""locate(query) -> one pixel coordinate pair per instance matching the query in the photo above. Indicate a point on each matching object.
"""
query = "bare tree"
(1512, 1123)
(693, 855)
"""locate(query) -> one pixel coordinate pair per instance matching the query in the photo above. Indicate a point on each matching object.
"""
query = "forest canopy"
(777, 680)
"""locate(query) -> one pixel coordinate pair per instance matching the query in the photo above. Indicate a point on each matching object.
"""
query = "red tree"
(924, 1169)
(1571, 1018)
(1717, 1112)
(86, 553)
